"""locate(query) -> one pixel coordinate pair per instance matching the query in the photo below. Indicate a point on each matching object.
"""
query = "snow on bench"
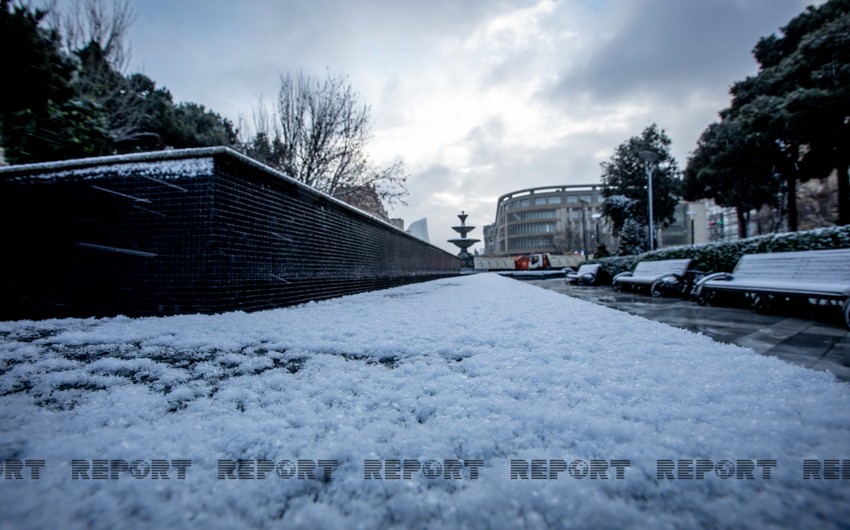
(653, 274)
(817, 275)
(586, 274)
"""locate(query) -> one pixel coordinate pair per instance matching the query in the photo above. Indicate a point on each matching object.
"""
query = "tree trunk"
(742, 222)
(843, 194)
(791, 184)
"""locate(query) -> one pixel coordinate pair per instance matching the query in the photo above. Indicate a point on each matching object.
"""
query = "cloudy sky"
(478, 97)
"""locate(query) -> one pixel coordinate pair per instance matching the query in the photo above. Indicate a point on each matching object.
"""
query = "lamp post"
(596, 217)
(650, 158)
(691, 215)
(584, 226)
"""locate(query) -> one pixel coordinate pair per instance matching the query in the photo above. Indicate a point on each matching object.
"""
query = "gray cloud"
(669, 48)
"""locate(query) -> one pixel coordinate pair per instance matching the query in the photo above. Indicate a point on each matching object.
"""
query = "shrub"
(723, 256)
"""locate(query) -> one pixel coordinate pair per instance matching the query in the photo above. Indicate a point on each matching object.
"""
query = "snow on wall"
(471, 368)
(180, 168)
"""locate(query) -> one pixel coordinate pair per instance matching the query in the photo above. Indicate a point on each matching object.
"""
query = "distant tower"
(419, 229)
(464, 243)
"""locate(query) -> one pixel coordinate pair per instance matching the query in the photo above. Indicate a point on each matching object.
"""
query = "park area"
(475, 401)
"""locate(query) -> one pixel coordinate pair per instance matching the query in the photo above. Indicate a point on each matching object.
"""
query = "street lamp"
(584, 225)
(650, 158)
(596, 217)
(691, 215)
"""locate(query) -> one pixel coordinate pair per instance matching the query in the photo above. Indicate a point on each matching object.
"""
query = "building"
(568, 220)
(560, 219)
(365, 198)
(419, 229)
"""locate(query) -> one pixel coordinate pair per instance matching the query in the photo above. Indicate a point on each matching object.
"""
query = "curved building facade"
(559, 219)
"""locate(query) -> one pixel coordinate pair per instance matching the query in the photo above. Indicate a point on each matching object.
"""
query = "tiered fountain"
(468, 262)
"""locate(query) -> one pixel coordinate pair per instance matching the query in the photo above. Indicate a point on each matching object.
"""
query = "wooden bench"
(586, 274)
(659, 276)
(817, 276)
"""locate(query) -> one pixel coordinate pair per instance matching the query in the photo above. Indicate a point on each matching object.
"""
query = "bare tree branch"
(319, 138)
(90, 21)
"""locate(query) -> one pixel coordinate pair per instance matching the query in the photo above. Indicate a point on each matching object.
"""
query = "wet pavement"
(808, 336)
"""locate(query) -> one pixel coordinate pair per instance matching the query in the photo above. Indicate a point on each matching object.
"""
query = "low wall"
(190, 231)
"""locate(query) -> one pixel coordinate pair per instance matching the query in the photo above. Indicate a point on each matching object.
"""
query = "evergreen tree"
(41, 115)
(788, 123)
(632, 238)
(735, 165)
(70, 99)
(625, 182)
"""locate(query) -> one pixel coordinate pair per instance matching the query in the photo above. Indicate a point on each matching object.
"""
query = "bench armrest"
(623, 275)
(587, 278)
(714, 276)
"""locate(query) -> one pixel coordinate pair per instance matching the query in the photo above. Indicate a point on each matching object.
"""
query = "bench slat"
(647, 272)
(810, 272)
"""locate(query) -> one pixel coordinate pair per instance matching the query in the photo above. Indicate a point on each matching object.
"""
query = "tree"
(71, 98)
(69, 129)
(96, 36)
(624, 182)
(196, 126)
(319, 136)
(632, 238)
(794, 115)
(35, 69)
(155, 122)
(735, 164)
(91, 22)
(819, 111)
(42, 117)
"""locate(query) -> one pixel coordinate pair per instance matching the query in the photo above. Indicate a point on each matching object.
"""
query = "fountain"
(466, 258)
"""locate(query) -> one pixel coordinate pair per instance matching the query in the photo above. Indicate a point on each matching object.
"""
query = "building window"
(532, 216)
(519, 243)
(572, 199)
(531, 228)
(540, 201)
(554, 200)
(525, 203)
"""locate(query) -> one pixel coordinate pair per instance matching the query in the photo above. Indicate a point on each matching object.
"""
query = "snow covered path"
(480, 374)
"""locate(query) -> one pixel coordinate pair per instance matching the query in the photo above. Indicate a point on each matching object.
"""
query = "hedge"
(722, 256)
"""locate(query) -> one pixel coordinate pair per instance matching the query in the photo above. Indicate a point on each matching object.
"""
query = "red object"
(521, 263)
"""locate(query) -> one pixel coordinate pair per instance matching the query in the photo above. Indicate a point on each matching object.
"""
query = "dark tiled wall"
(236, 238)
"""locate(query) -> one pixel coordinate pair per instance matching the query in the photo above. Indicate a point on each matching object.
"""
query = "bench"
(818, 276)
(586, 274)
(659, 276)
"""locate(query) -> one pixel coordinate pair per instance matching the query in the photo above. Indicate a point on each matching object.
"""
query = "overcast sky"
(478, 97)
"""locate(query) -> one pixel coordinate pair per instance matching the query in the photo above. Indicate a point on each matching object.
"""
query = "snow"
(478, 367)
(186, 167)
(127, 158)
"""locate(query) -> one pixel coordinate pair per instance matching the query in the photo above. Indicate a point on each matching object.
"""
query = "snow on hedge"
(479, 368)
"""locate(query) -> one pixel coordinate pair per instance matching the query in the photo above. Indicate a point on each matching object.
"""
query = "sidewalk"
(820, 342)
